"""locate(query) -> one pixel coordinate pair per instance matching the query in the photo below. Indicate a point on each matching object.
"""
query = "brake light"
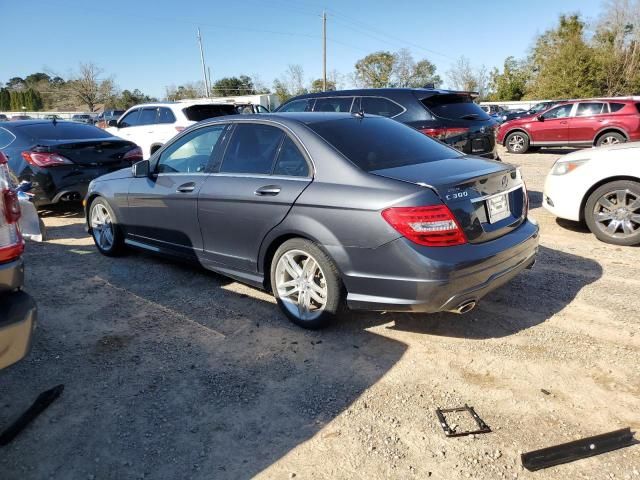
(45, 159)
(442, 133)
(133, 155)
(433, 226)
(11, 243)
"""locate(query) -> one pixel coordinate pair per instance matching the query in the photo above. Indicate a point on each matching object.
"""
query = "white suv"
(151, 125)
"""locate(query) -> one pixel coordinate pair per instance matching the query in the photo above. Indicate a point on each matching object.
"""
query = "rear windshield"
(454, 107)
(61, 131)
(196, 113)
(375, 143)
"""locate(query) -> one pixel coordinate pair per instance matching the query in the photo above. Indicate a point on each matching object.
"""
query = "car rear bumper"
(11, 276)
(18, 313)
(403, 276)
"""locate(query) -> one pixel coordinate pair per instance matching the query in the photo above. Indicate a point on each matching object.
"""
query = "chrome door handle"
(186, 188)
(268, 190)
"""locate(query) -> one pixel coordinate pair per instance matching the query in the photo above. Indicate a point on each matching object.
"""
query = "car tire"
(322, 292)
(612, 212)
(517, 142)
(105, 230)
(610, 138)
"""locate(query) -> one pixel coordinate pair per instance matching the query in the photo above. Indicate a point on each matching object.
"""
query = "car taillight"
(133, 155)
(442, 133)
(45, 159)
(433, 226)
(11, 243)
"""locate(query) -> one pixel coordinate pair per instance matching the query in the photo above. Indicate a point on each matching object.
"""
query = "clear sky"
(149, 44)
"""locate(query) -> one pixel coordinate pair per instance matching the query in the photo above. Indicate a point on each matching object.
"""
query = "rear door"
(554, 127)
(163, 207)
(262, 174)
(589, 118)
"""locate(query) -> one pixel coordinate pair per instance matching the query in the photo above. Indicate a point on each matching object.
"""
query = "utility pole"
(324, 50)
(210, 84)
(204, 68)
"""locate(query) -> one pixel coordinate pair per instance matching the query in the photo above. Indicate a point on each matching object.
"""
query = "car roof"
(22, 123)
(421, 92)
(306, 118)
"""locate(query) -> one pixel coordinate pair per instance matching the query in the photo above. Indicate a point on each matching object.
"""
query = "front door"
(163, 206)
(554, 127)
(262, 174)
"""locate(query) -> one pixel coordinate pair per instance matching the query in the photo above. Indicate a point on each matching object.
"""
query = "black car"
(17, 309)
(61, 158)
(449, 116)
(537, 108)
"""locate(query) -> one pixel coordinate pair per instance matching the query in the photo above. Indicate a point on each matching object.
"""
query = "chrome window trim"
(10, 133)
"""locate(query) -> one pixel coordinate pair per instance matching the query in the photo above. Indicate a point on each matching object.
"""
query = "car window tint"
(165, 115)
(6, 138)
(454, 107)
(297, 106)
(252, 149)
(334, 104)
(192, 152)
(559, 112)
(130, 119)
(291, 161)
(62, 131)
(148, 116)
(376, 143)
(614, 107)
(197, 113)
(380, 106)
(588, 109)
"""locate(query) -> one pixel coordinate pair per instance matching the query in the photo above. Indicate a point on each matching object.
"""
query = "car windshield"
(61, 131)
(197, 113)
(375, 143)
(454, 107)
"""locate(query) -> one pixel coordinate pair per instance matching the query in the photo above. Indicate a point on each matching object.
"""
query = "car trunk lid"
(91, 152)
(488, 198)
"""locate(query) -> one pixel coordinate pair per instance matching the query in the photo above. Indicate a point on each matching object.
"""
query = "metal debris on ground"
(453, 431)
(586, 447)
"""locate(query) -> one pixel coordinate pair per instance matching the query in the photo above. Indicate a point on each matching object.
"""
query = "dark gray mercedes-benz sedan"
(325, 210)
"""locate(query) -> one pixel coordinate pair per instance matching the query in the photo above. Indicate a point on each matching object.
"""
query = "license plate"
(498, 207)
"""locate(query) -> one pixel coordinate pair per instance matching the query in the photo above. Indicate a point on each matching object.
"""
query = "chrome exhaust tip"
(464, 307)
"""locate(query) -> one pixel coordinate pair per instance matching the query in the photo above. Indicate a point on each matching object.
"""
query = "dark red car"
(580, 123)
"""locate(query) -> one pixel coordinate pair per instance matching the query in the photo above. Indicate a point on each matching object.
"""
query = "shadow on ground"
(171, 374)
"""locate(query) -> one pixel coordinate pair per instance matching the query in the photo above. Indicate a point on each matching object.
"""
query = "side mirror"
(112, 123)
(141, 169)
(540, 118)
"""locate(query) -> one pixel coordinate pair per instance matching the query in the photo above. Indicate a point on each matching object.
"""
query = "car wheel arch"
(609, 129)
(597, 185)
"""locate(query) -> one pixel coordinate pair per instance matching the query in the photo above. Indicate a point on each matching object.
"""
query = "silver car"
(325, 210)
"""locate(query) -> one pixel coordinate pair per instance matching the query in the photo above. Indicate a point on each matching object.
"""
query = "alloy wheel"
(516, 143)
(617, 213)
(610, 140)
(301, 284)
(102, 226)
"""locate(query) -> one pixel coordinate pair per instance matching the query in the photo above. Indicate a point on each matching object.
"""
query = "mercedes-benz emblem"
(505, 181)
(482, 129)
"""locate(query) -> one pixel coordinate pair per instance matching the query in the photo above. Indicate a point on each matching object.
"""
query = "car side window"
(333, 104)
(192, 152)
(559, 112)
(290, 161)
(614, 107)
(590, 108)
(303, 105)
(6, 138)
(148, 116)
(380, 106)
(130, 119)
(252, 149)
(165, 115)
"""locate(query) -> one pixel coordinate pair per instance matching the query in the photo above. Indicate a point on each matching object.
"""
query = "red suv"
(575, 123)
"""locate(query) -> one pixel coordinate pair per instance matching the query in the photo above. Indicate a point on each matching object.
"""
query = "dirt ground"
(172, 372)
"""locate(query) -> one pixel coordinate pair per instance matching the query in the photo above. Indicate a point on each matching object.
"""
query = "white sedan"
(600, 186)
